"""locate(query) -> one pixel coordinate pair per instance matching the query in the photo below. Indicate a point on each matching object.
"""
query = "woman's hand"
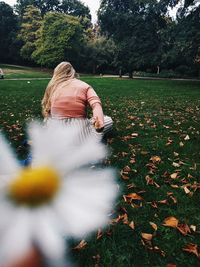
(98, 125)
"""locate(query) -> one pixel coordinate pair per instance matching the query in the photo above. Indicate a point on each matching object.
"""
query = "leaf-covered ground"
(155, 149)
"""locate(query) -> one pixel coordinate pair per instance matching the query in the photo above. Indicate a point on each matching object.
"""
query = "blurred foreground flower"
(58, 196)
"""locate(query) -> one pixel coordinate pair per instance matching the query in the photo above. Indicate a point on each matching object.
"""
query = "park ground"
(155, 150)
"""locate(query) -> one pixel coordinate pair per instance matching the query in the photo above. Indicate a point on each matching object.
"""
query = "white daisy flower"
(58, 196)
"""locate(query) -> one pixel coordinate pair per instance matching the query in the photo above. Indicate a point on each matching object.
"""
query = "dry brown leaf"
(193, 227)
(132, 225)
(124, 177)
(129, 186)
(176, 165)
(171, 222)
(187, 137)
(187, 191)
(158, 250)
(174, 186)
(154, 226)
(99, 234)
(132, 196)
(155, 159)
(181, 144)
(151, 181)
(173, 199)
(174, 175)
(164, 201)
(183, 228)
(124, 154)
(132, 117)
(126, 169)
(134, 134)
(147, 236)
(97, 260)
(132, 161)
(124, 218)
(171, 265)
(81, 245)
(192, 248)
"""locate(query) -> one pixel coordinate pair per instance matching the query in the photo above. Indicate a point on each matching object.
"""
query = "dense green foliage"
(60, 37)
(147, 37)
(131, 35)
(31, 23)
(151, 118)
(8, 28)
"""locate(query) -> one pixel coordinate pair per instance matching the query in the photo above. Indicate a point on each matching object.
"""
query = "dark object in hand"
(99, 130)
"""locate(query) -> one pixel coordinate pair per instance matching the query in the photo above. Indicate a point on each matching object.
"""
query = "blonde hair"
(63, 72)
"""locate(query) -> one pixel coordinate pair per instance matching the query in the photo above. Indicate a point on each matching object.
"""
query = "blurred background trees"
(131, 36)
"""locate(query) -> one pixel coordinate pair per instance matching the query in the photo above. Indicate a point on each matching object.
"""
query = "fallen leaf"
(187, 191)
(132, 196)
(187, 137)
(124, 177)
(192, 248)
(158, 250)
(124, 218)
(173, 199)
(154, 226)
(132, 225)
(134, 134)
(126, 169)
(171, 222)
(171, 265)
(193, 227)
(174, 175)
(99, 234)
(181, 144)
(147, 236)
(155, 159)
(183, 228)
(81, 245)
(176, 165)
(132, 161)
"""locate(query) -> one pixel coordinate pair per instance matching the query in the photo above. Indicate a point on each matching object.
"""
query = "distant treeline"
(130, 37)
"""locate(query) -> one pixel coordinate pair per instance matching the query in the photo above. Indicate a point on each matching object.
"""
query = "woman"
(66, 98)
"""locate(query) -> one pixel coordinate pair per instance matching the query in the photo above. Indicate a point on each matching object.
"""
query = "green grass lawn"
(14, 71)
(152, 118)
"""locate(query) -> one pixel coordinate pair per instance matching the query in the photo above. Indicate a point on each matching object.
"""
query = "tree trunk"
(158, 69)
(120, 73)
(130, 74)
(94, 69)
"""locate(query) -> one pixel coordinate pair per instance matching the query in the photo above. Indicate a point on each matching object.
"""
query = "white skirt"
(86, 128)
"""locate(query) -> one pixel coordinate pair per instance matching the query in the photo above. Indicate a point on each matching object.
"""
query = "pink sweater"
(71, 98)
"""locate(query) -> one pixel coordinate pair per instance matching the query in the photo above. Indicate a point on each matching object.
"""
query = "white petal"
(48, 236)
(15, 243)
(86, 200)
(56, 145)
(7, 212)
(8, 162)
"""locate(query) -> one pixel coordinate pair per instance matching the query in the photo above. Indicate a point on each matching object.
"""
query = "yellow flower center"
(34, 187)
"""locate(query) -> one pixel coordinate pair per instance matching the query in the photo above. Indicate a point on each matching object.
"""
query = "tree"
(74, 8)
(184, 39)
(43, 5)
(8, 28)
(31, 23)
(70, 7)
(99, 53)
(61, 38)
(136, 27)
